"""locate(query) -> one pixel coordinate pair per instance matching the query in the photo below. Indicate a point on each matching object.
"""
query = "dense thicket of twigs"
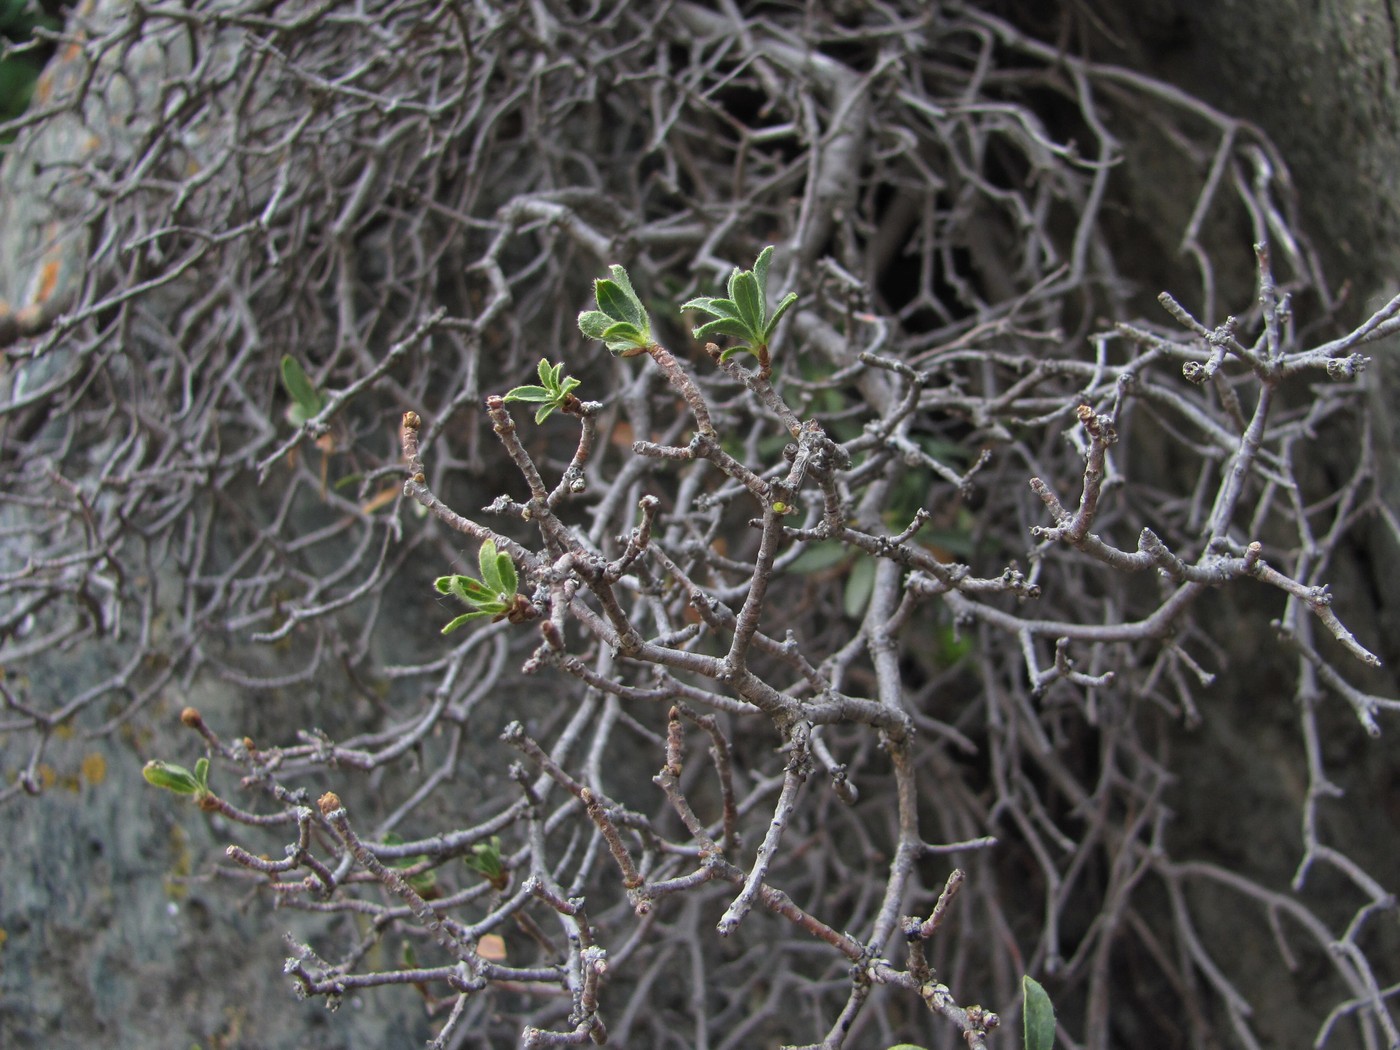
(1019, 501)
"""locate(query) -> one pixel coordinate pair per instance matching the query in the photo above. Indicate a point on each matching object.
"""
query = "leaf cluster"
(486, 861)
(744, 315)
(171, 777)
(492, 595)
(552, 394)
(621, 321)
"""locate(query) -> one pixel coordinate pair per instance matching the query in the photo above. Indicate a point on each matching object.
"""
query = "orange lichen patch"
(94, 768)
(48, 279)
(491, 947)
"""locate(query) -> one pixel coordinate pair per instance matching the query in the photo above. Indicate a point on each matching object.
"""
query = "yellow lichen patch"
(47, 775)
(94, 768)
(181, 866)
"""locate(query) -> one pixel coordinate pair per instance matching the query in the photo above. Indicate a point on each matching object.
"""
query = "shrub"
(843, 673)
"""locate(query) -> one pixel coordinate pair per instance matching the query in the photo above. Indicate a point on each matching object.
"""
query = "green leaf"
(201, 773)
(170, 777)
(465, 617)
(860, 584)
(777, 314)
(485, 860)
(723, 326)
(490, 567)
(299, 388)
(737, 350)
(624, 282)
(743, 287)
(505, 572)
(464, 588)
(718, 307)
(819, 556)
(529, 393)
(593, 323)
(614, 302)
(554, 393)
(626, 334)
(760, 270)
(1039, 1015)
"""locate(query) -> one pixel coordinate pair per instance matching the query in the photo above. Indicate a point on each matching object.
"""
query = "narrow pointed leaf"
(201, 773)
(746, 297)
(718, 307)
(464, 588)
(760, 269)
(731, 351)
(543, 412)
(298, 386)
(545, 372)
(781, 309)
(624, 332)
(860, 584)
(528, 393)
(505, 570)
(624, 282)
(486, 561)
(171, 777)
(465, 618)
(1039, 1015)
(723, 326)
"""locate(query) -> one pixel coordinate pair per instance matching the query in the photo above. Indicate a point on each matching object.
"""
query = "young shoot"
(492, 595)
(621, 321)
(744, 315)
(553, 394)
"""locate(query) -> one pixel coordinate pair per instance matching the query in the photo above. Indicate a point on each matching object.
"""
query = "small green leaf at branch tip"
(306, 402)
(744, 315)
(170, 777)
(1039, 1016)
(621, 321)
(485, 860)
(493, 595)
(553, 393)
